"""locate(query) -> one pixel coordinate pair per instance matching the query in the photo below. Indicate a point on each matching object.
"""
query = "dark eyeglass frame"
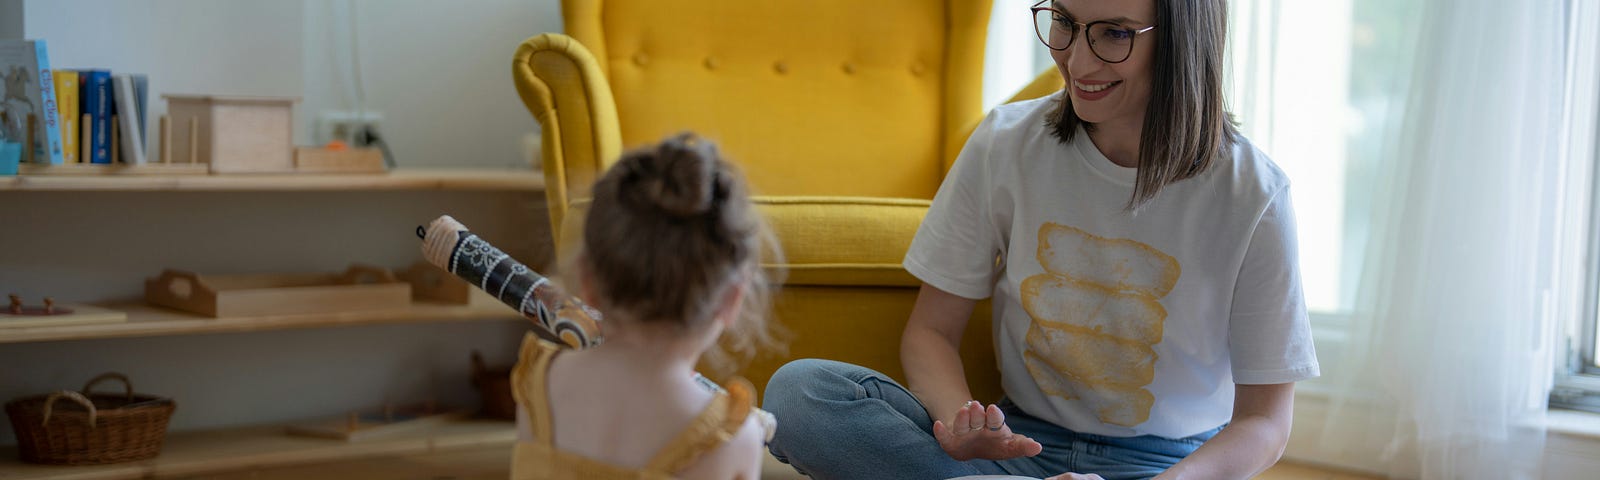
(1083, 27)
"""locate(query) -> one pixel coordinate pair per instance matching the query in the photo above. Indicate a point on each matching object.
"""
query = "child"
(670, 254)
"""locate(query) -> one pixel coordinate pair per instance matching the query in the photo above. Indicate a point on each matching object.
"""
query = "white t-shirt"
(1108, 321)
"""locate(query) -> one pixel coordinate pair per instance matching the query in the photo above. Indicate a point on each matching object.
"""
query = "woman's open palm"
(982, 433)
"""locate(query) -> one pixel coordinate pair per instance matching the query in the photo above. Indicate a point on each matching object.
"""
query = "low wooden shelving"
(147, 321)
(203, 453)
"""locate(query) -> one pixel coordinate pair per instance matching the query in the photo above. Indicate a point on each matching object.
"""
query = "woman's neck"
(1118, 140)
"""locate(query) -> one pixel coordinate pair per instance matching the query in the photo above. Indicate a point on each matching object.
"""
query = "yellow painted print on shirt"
(1096, 316)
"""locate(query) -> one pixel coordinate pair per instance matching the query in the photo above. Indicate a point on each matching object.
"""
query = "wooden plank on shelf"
(484, 463)
(145, 321)
(232, 450)
(401, 179)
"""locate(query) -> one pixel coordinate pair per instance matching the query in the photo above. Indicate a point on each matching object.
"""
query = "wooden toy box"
(233, 134)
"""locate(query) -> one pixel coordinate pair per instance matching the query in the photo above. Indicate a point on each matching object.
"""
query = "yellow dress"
(541, 460)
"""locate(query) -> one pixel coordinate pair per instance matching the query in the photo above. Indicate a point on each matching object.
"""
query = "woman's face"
(1101, 92)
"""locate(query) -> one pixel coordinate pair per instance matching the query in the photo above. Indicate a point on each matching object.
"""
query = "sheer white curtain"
(1012, 55)
(1449, 330)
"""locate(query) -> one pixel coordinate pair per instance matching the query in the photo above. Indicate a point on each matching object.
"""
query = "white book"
(128, 119)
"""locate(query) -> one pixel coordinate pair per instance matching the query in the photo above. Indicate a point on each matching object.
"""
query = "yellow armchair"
(845, 116)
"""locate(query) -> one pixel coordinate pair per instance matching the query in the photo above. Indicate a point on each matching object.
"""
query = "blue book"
(30, 92)
(97, 104)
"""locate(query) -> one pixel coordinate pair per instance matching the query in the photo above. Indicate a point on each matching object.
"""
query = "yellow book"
(67, 103)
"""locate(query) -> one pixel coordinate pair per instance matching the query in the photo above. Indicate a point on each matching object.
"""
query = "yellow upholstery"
(844, 115)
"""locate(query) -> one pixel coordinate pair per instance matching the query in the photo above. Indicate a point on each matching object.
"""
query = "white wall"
(440, 73)
(10, 19)
(221, 47)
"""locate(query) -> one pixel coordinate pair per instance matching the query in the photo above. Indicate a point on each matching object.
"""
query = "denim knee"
(801, 385)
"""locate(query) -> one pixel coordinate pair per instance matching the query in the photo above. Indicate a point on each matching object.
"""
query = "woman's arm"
(930, 351)
(930, 354)
(1252, 442)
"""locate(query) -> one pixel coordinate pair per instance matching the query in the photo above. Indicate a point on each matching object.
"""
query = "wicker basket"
(90, 428)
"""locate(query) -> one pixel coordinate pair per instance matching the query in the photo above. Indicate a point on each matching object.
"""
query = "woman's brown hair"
(1186, 127)
(671, 231)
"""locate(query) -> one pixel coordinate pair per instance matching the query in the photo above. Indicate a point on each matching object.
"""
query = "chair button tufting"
(780, 67)
(712, 63)
(848, 68)
(916, 68)
(640, 59)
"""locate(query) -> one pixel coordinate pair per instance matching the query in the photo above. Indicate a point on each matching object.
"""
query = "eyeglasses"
(1109, 40)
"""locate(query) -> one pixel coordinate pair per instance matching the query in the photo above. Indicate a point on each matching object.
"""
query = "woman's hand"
(982, 433)
(1075, 476)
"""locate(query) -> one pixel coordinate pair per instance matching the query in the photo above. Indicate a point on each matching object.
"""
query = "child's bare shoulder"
(739, 458)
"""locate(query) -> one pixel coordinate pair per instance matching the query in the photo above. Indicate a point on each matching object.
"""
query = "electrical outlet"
(343, 125)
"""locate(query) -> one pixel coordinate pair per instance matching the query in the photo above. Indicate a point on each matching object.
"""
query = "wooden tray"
(374, 423)
(350, 160)
(431, 283)
(360, 288)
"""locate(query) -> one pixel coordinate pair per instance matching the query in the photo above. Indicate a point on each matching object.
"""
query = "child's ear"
(732, 303)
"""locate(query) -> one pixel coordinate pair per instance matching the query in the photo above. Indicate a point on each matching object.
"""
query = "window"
(1578, 378)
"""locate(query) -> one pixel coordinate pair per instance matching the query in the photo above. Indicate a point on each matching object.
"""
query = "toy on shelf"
(494, 388)
(376, 422)
(360, 288)
(338, 157)
(50, 314)
(234, 134)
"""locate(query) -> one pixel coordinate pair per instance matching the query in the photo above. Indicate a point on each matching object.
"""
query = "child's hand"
(982, 433)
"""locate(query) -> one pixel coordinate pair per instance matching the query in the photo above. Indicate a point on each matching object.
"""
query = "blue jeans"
(842, 421)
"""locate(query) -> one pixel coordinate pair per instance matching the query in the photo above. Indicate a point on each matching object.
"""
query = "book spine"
(47, 93)
(128, 120)
(97, 101)
(67, 106)
(141, 93)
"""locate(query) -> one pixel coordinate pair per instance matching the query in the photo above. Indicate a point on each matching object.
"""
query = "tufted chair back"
(818, 97)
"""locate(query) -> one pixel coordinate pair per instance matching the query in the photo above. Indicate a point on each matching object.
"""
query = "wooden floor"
(484, 464)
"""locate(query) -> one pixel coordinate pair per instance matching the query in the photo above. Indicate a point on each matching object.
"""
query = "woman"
(1141, 256)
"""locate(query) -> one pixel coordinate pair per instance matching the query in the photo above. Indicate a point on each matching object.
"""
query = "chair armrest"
(565, 89)
(1046, 83)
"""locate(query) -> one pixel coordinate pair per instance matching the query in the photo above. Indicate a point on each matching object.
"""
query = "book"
(128, 120)
(96, 102)
(141, 93)
(30, 93)
(67, 106)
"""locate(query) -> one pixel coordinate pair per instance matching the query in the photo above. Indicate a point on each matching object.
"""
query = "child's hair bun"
(680, 180)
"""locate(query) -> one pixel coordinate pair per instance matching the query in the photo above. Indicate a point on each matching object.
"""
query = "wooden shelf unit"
(401, 179)
(241, 449)
(146, 321)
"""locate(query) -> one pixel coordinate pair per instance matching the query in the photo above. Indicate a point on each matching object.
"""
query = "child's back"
(670, 274)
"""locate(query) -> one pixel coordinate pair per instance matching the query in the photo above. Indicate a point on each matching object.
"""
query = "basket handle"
(49, 404)
(128, 386)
